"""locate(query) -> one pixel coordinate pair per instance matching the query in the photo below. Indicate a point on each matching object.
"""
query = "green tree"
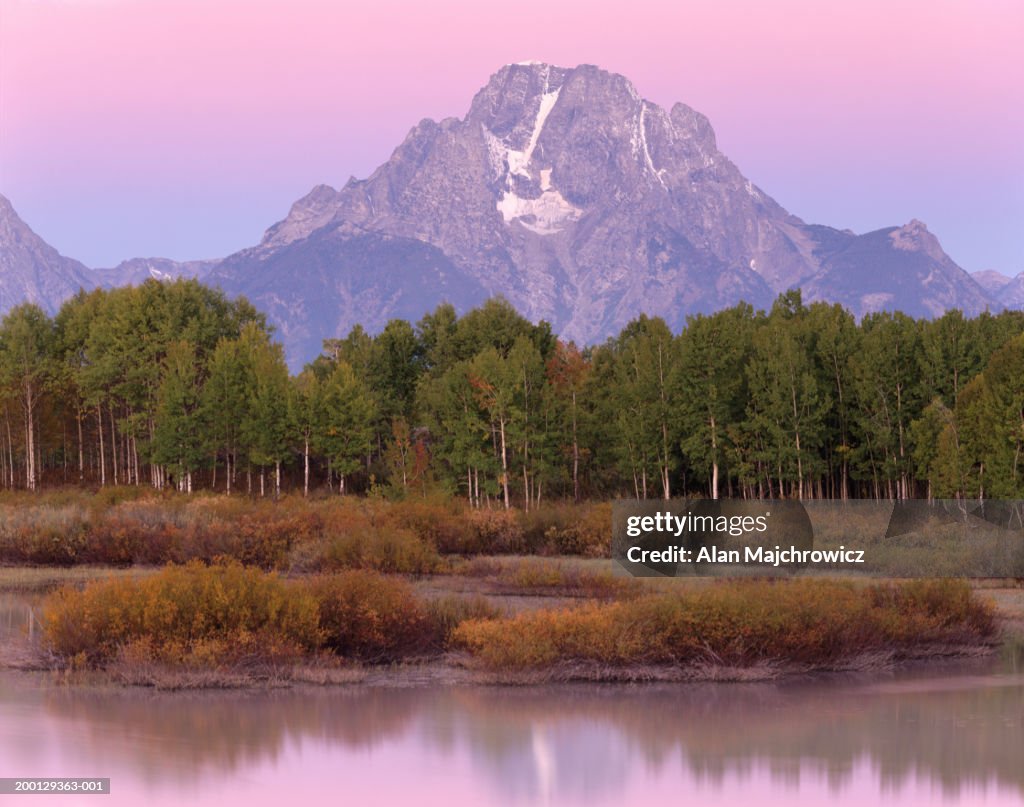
(712, 385)
(886, 374)
(990, 418)
(645, 371)
(179, 440)
(926, 435)
(26, 349)
(496, 387)
(567, 373)
(348, 417)
(226, 398)
(460, 430)
(835, 340)
(267, 428)
(308, 417)
(787, 403)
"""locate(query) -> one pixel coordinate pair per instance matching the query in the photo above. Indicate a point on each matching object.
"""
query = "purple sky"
(184, 128)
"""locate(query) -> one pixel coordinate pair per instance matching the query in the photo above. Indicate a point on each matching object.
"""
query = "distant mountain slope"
(896, 268)
(138, 270)
(33, 271)
(30, 269)
(990, 280)
(347, 276)
(1012, 294)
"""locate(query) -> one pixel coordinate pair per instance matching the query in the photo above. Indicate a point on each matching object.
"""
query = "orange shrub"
(496, 532)
(590, 533)
(188, 615)
(368, 616)
(444, 527)
(133, 525)
(568, 529)
(738, 623)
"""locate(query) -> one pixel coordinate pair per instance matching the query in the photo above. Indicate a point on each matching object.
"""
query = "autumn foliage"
(735, 623)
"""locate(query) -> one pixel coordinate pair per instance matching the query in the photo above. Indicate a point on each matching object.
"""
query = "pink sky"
(183, 128)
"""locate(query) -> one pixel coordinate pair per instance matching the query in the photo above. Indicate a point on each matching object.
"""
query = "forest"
(172, 385)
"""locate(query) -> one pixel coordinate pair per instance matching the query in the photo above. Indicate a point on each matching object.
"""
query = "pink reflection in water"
(906, 740)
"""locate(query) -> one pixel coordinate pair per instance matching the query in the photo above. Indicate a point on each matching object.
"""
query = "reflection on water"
(961, 738)
(915, 739)
(19, 616)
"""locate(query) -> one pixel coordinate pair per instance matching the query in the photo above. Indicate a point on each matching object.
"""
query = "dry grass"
(1009, 604)
(28, 579)
(556, 578)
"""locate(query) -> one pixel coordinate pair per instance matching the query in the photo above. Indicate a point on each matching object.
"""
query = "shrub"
(135, 525)
(384, 549)
(590, 534)
(190, 615)
(496, 531)
(568, 529)
(542, 526)
(448, 612)
(368, 616)
(51, 533)
(737, 623)
(441, 526)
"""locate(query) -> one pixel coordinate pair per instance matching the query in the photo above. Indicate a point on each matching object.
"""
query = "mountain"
(1008, 292)
(563, 190)
(583, 204)
(30, 269)
(990, 280)
(895, 268)
(1012, 294)
(318, 287)
(33, 271)
(137, 270)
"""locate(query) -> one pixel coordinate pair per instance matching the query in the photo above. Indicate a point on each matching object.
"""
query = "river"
(952, 735)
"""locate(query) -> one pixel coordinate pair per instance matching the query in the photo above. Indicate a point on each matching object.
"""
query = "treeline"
(173, 384)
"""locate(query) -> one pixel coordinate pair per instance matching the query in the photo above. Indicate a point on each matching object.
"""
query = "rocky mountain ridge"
(578, 200)
(585, 204)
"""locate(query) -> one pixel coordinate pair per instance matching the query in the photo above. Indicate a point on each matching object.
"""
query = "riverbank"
(498, 620)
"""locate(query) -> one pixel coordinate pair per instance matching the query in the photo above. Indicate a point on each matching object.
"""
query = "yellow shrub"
(384, 549)
(812, 622)
(218, 613)
(368, 616)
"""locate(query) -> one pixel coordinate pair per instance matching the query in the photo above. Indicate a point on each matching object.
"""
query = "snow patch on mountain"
(648, 162)
(519, 160)
(546, 215)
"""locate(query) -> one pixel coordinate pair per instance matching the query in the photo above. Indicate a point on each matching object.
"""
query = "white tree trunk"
(504, 464)
(305, 470)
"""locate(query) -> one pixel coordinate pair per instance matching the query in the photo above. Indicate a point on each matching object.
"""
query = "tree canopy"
(174, 384)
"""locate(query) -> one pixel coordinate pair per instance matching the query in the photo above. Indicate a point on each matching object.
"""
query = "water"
(954, 736)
